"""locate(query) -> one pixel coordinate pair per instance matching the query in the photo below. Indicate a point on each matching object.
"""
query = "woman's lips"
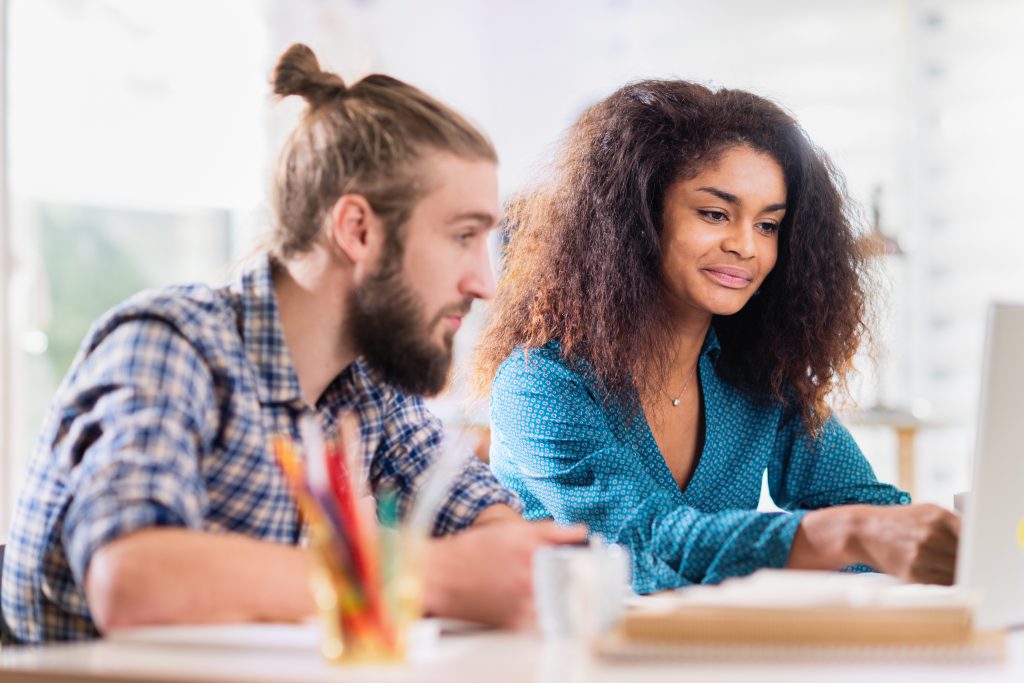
(734, 278)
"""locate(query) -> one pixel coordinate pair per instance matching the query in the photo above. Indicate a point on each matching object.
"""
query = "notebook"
(990, 559)
(778, 614)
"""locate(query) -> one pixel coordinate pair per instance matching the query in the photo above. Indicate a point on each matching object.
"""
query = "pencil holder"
(367, 567)
(366, 621)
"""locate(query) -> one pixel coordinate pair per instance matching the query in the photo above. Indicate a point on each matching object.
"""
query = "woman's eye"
(768, 228)
(714, 216)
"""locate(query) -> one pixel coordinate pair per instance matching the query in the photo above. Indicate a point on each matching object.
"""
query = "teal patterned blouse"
(577, 459)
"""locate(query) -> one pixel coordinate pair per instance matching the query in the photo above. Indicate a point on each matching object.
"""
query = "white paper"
(786, 589)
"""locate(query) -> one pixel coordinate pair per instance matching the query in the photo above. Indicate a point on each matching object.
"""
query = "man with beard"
(153, 497)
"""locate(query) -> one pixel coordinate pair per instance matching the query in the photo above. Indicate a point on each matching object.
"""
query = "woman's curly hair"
(583, 258)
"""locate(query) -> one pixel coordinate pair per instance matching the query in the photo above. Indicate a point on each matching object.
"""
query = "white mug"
(580, 590)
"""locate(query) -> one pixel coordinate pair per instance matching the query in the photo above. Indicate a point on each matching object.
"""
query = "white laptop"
(990, 559)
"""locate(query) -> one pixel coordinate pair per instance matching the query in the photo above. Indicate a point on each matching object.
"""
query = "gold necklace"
(689, 380)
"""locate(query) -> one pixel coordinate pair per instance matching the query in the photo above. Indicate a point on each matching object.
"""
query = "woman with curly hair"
(680, 297)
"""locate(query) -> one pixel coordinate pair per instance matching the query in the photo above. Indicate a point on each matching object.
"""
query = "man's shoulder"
(185, 305)
(199, 313)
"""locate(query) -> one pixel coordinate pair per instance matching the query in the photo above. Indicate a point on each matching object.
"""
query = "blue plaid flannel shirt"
(164, 420)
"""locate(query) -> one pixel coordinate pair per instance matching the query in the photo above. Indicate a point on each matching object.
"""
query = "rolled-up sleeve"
(410, 445)
(131, 438)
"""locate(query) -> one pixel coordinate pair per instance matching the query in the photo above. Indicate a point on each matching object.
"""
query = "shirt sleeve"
(808, 472)
(552, 444)
(131, 432)
(411, 443)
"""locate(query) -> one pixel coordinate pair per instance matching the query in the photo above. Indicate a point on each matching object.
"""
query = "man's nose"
(479, 279)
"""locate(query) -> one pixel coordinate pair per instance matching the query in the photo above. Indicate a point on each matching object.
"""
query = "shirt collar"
(262, 336)
(712, 347)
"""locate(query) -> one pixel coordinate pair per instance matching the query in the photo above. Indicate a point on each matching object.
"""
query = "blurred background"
(140, 135)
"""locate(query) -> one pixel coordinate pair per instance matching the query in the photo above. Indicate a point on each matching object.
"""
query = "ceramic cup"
(580, 591)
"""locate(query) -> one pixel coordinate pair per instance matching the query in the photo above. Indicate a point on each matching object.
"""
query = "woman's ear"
(356, 231)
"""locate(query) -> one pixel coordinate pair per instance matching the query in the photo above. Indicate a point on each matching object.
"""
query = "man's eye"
(464, 237)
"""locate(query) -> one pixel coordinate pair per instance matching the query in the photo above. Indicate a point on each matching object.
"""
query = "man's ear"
(356, 230)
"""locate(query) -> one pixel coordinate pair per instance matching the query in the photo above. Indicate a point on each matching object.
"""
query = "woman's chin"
(726, 308)
(714, 304)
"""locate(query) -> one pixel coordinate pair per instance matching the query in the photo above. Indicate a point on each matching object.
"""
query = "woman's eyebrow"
(734, 200)
(721, 194)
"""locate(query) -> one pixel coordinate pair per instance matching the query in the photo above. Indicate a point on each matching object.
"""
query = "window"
(140, 138)
(136, 158)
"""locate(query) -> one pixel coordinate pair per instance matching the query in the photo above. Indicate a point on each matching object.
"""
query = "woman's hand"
(916, 543)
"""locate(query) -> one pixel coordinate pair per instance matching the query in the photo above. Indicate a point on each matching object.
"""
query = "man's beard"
(388, 324)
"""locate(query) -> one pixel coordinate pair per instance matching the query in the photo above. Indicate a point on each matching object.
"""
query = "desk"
(494, 657)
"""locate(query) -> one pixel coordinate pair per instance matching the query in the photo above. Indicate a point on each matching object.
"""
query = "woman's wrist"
(829, 538)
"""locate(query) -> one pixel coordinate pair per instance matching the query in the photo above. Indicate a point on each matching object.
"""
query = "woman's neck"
(676, 371)
(685, 338)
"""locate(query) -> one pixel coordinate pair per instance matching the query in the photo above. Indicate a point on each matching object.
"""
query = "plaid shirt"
(164, 420)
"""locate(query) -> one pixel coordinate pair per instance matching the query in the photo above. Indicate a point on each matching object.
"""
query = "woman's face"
(721, 232)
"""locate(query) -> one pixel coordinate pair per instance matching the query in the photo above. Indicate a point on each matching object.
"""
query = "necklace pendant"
(675, 402)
